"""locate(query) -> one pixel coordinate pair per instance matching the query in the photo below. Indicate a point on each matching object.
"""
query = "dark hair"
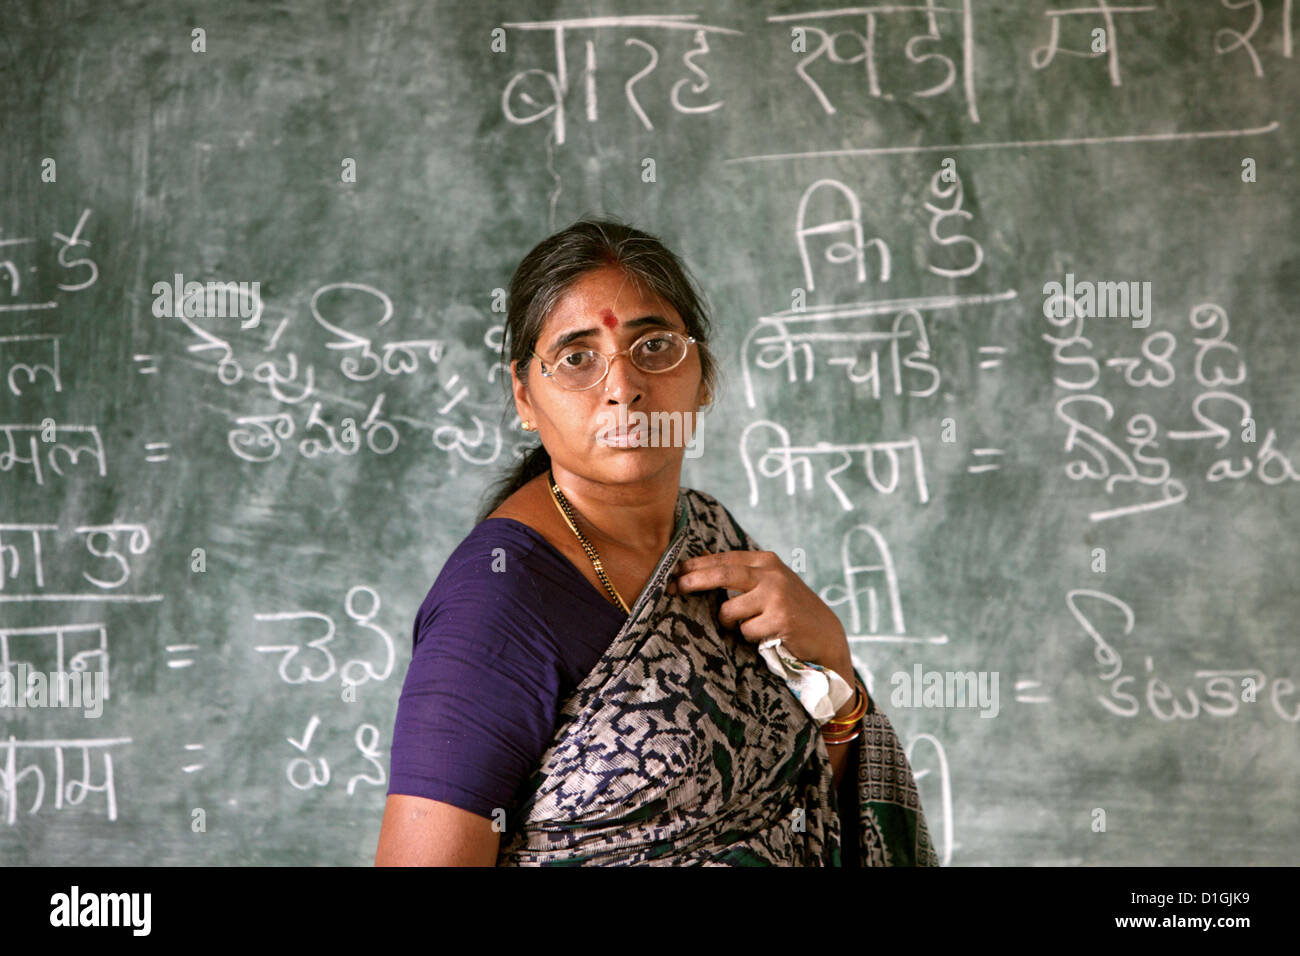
(547, 272)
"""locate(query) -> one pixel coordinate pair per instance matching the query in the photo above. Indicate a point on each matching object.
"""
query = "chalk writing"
(535, 94)
(70, 792)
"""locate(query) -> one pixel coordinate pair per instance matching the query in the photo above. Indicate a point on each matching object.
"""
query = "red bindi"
(608, 317)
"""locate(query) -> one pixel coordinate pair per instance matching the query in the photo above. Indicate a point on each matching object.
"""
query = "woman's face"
(613, 313)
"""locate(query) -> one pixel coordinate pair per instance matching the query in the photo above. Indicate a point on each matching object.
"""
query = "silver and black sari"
(681, 748)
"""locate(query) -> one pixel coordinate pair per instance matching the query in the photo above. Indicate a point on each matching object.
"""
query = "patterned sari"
(681, 748)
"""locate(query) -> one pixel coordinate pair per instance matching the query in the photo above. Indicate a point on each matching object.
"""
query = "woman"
(582, 691)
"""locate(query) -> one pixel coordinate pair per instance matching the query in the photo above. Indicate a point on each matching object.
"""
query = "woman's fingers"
(735, 570)
(742, 607)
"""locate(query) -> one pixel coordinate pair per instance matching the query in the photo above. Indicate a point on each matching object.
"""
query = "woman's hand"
(774, 603)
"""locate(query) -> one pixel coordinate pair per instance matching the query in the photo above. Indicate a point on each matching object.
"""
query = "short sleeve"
(479, 703)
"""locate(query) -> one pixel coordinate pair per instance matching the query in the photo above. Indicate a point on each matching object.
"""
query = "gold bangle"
(832, 743)
(840, 724)
(840, 738)
(840, 735)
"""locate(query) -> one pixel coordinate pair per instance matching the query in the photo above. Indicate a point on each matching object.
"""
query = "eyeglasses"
(579, 368)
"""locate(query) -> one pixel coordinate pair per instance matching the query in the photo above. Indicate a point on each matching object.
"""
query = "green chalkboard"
(1005, 300)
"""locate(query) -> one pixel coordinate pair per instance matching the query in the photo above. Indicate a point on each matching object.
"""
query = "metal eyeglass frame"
(610, 356)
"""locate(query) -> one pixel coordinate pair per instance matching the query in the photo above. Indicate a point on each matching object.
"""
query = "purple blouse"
(500, 642)
(502, 639)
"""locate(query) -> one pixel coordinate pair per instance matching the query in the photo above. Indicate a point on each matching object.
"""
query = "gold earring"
(526, 426)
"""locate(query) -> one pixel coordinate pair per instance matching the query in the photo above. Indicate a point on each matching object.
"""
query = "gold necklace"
(562, 503)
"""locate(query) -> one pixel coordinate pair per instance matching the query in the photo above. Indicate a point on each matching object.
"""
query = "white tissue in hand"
(821, 691)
